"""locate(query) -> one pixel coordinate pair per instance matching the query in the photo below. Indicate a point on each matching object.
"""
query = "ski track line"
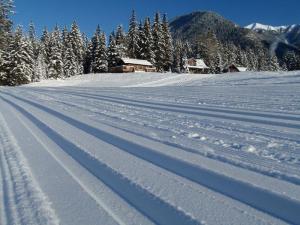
(220, 127)
(208, 195)
(226, 116)
(264, 200)
(84, 187)
(135, 195)
(274, 115)
(276, 168)
(23, 201)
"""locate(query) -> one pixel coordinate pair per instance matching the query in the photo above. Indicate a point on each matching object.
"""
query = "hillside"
(256, 39)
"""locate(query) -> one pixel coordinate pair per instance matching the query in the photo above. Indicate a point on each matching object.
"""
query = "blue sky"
(110, 13)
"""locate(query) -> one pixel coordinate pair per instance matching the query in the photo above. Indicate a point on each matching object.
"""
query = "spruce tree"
(148, 42)
(55, 66)
(132, 38)
(77, 45)
(112, 53)
(158, 44)
(36, 51)
(121, 43)
(100, 62)
(168, 44)
(70, 63)
(21, 65)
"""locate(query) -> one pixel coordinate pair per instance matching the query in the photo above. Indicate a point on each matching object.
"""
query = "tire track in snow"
(264, 200)
(23, 200)
(152, 207)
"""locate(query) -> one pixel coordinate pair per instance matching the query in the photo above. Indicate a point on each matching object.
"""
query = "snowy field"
(152, 149)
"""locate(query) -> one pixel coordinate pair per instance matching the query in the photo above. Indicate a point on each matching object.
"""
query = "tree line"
(64, 53)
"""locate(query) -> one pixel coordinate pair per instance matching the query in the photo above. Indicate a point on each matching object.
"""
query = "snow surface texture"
(151, 148)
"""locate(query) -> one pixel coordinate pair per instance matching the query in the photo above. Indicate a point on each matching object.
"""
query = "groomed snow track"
(80, 156)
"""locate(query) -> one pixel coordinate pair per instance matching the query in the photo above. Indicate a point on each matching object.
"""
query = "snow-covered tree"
(100, 62)
(121, 42)
(78, 47)
(21, 63)
(273, 63)
(158, 43)
(6, 7)
(69, 58)
(55, 65)
(168, 44)
(112, 53)
(132, 37)
(148, 42)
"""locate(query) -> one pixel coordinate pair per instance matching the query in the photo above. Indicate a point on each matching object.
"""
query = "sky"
(110, 13)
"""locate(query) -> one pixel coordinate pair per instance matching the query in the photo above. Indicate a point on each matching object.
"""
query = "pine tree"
(45, 50)
(273, 63)
(158, 45)
(148, 42)
(112, 53)
(121, 43)
(55, 66)
(36, 51)
(100, 63)
(77, 45)
(21, 65)
(168, 45)
(132, 38)
(69, 58)
(6, 7)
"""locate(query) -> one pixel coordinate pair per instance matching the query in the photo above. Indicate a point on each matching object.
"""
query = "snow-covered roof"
(200, 64)
(242, 69)
(136, 61)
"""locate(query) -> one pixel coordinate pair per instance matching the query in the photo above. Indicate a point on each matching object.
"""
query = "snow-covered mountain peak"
(259, 26)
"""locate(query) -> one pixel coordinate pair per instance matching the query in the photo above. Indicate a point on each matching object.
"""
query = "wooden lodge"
(197, 66)
(127, 65)
(232, 68)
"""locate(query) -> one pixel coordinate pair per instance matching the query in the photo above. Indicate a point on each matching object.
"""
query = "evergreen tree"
(158, 44)
(78, 46)
(148, 42)
(112, 54)
(21, 63)
(70, 64)
(273, 63)
(132, 38)
(36, 51)
(168, 44)
(100, 62)
(6, 7)
(55, 66)
(45, 50)
(291, 60)
(121, 43)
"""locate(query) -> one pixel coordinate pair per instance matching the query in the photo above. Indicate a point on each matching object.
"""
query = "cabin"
(128, 65)
(232, 68)
(197, 66)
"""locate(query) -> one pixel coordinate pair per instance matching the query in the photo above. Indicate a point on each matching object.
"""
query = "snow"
(259, 26)
(151, 148)
(136, 61)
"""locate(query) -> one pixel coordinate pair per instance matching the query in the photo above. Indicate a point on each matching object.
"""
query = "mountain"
(260, 41)
(283, 37)
(262, 27)
(191, 26)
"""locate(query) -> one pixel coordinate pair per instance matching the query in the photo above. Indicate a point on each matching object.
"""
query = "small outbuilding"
(232, 68)
(197, 66)
(128, 65)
